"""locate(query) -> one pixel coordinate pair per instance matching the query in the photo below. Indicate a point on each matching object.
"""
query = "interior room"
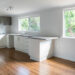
(37, 37)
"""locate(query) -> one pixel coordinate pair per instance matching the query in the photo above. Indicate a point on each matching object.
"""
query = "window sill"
(65, 37)
(29, 31)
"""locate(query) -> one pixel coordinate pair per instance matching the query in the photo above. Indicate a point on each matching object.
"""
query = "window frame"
(28, 30)
(64, 36)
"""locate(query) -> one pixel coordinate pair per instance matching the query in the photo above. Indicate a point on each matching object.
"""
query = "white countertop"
(34, 36)
(39, 37)
(44, 38)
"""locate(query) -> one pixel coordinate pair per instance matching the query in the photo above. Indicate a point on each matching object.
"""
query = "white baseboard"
(37, 59)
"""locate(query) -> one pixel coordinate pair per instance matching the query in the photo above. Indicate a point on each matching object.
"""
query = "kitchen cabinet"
(3, 41)
(5, 20)
(7, 41)
(10, 41)
(21, 44)
(40, 50)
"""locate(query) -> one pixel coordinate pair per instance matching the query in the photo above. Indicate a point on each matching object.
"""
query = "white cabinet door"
(2, 41)
(21, 43)
(25, 44)
(39, 49)
(10, 41)
(34, 51)
(17, 42)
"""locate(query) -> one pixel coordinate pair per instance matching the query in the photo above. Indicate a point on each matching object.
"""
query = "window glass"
(69, 21)
(29, 24)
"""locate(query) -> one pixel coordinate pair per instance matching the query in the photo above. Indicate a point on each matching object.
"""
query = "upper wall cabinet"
(5, 20)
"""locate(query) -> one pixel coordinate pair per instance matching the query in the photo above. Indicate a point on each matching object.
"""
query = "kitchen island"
(38, 47)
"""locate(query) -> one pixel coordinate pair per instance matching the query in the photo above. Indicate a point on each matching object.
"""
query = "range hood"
(4, 20)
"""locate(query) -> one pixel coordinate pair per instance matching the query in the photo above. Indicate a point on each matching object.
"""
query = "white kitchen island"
(39, 48)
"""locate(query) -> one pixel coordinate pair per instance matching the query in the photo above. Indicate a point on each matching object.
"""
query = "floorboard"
(17, 63)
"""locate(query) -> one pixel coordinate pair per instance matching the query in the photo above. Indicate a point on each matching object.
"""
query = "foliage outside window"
(29, 24)
(69, 21)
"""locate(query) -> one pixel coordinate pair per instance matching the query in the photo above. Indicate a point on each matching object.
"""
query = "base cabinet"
(40, 50)
(6, 41)
(3, 42)
(21, 43)
(10, 41)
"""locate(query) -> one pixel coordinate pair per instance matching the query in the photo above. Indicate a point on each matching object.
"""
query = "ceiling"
(26, 6)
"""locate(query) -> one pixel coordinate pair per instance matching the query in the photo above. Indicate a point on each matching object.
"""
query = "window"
(69, 23)
(29, 24)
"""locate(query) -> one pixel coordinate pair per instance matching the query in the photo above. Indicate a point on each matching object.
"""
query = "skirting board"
(37, 59)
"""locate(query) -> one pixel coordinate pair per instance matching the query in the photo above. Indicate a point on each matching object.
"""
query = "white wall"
(50, 22)
(65, 48)
(5, 28)
(52, 25)
(14, 26)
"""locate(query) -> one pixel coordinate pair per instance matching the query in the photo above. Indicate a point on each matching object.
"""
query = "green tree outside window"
(30, 24)
(69, 17)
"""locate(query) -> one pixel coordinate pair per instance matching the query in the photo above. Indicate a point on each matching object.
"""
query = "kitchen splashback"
(4, 29)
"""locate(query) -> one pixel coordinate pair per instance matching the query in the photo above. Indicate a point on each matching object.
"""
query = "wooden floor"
(20, 64)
